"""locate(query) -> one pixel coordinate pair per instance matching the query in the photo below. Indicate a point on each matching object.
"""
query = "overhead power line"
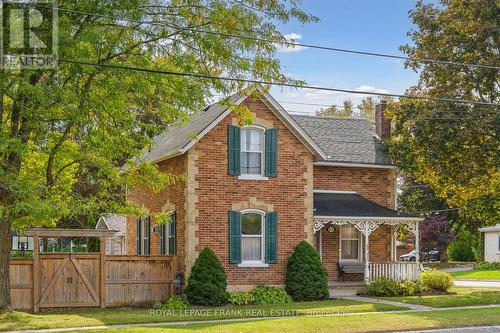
(282, 42)
(263, 82)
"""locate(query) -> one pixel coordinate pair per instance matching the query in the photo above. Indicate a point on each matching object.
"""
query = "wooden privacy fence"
(87, 280)
(62, 280)
(394, 270)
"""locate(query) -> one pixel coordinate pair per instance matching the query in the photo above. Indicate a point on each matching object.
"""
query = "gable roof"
(345, 140)
(113, 222)
(177, 140)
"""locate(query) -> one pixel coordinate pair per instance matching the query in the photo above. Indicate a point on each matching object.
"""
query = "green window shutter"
(147, 235)
(163, 234)
(234, 150)
(172, 235)
(271, 156)
(139, 235)
(234, 237)
(271, 237)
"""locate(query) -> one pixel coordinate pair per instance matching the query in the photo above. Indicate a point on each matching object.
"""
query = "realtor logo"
(28, 34)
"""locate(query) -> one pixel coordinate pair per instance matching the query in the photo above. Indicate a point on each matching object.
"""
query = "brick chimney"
(382, 124)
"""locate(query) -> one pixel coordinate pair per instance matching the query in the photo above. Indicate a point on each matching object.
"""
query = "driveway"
(458, 268)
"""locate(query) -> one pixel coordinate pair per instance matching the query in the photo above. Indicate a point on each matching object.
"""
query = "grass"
(348, 324)
(95, 317)
(477, 274)
(462, 297)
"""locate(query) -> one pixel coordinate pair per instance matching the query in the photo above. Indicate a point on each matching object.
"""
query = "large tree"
(453, 147)
(65, 133)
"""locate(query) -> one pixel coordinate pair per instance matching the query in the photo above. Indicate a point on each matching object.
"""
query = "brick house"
(252, 193)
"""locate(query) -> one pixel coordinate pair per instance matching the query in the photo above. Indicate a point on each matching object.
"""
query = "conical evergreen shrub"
(207, 283)
(306, 277)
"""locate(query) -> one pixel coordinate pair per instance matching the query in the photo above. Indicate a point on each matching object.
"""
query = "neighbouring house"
(117, 244)
(252, 193)
(491, 243)
(20, 243)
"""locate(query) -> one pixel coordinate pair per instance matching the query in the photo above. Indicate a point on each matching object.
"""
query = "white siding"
(491, 246)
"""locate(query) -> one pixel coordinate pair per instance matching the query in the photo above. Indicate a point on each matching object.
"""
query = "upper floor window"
(252, 151)
(350, 243)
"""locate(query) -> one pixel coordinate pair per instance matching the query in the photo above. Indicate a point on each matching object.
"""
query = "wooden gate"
(69, 280)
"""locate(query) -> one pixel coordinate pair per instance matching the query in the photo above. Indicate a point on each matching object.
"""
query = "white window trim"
(251, 176)
(360, 245)
(261, 262)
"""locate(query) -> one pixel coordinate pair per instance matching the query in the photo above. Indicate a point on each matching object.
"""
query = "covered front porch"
(356, 239)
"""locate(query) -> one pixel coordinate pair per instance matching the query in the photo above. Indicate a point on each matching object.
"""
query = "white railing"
(395, 270)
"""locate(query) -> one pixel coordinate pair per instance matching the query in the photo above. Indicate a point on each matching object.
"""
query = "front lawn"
(476, 275)
(461, 297)
(95, 317)
(348, 324)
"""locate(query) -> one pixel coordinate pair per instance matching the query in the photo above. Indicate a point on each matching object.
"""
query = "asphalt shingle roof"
(345, 140)
(350, 204)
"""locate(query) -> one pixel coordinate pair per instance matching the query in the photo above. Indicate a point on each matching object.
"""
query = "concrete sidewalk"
(383, 301)
(476, 329)
(477, 283)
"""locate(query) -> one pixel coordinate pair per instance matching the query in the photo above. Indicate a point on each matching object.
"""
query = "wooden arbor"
(68, 279)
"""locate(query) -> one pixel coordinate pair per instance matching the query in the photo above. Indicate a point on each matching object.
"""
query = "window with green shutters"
(253, 237)
(252, 151)
(168, 236)
(143, 230)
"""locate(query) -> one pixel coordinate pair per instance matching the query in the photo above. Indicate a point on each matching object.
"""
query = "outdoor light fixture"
(155, 229)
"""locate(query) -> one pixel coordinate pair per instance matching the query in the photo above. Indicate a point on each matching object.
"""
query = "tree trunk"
(5, 243)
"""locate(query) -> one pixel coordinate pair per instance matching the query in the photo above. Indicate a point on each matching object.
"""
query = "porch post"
(367, 258)
(417, 245)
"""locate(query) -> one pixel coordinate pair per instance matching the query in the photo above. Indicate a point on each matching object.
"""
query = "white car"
(412, 256)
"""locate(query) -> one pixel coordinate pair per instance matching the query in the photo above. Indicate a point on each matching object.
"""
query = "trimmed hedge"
(306, 277)
(270, 295)
(436, 280)
(207, 282)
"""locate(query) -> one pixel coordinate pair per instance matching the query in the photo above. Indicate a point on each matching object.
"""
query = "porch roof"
(351, 204)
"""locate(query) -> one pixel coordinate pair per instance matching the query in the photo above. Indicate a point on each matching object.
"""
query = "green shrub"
(436, 280)
(485, 265)
(306, 278)
(175, 303)
(384, 287)
(207, 283)
(388, 287)
(241, 298)
(410, 288)
(270, 295)
(461, 250)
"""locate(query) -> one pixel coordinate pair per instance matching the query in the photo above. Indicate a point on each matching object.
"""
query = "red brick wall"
(374, 184)
(154, 202)
(218, 191)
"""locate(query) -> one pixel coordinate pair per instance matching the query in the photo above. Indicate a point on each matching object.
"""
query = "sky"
(367, 25)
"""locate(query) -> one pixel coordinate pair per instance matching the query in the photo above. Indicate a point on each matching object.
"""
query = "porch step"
(346, 290)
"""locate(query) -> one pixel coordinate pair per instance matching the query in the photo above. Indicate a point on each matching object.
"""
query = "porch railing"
(394, 270)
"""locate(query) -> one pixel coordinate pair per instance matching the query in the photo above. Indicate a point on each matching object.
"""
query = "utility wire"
(280, 84)
(282, 42)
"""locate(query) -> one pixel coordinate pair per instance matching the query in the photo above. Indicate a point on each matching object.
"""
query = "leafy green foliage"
(241, 298)
(388, 287)
(436, 280)
(175, 303)
(306, 277)
(464, 247)
(453, 147)
(207, 283)
(485, 265)
(65, 133)
(270, 295)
